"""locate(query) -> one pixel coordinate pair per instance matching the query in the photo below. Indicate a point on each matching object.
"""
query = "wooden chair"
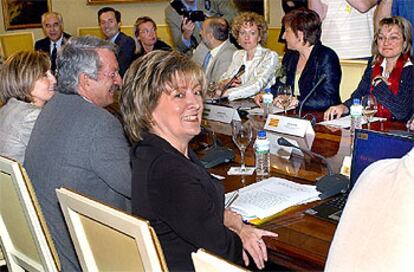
(13, 42)
(24, 236)
(206, 262)
(352, 71)
(2, 260)
(107, 239)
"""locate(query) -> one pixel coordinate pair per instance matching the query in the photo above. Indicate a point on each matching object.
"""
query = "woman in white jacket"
(250, 30)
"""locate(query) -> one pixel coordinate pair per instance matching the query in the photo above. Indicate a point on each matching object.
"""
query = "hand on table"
(335, 112)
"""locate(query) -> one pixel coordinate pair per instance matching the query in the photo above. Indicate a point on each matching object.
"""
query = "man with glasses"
(76, 143)
(109, 21)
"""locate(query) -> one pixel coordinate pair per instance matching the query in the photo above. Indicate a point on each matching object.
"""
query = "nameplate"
(220, 113)
(289, 125)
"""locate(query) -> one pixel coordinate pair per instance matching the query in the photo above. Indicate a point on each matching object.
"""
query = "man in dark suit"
(76, 143)
(52, 23)
(109, 21)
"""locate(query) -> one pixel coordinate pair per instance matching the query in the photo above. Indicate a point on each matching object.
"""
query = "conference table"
(303, 242)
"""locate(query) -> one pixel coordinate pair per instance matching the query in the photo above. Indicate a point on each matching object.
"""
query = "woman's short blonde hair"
(406, 30)
(19, 73)
(250, 18)
(146, 79)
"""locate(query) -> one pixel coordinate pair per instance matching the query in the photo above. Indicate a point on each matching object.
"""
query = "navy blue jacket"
(401, 104)
(322, 60)
(126, 51)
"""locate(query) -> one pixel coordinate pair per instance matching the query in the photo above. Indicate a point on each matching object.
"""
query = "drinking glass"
(369, 107)
(410, 124)
(284, 95)
(242, 135)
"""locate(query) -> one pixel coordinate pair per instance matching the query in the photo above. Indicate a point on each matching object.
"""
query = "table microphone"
(328, 185)
(321, 79)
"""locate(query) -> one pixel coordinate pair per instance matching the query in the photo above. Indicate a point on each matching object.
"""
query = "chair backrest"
(2, 260)
(207, 262)
(13, 42)
(107, 239)
(352, 71)
(24, 237)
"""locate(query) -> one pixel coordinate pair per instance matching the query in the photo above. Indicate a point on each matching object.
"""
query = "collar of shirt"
(384, 64)
(215, 51)
(192, 7)
(114, 38)
(58, 43)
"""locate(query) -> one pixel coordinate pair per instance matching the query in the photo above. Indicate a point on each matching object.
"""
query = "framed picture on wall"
(103, 2)
(20, 14)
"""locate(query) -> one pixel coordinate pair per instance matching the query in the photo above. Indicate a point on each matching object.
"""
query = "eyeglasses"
(112, 75)
(390, 39)
(148, 31)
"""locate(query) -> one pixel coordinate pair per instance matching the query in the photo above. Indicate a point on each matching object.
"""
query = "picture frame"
(20, 14)
(104, 2)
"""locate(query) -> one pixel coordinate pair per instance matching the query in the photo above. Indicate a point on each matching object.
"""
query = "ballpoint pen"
(232, 198)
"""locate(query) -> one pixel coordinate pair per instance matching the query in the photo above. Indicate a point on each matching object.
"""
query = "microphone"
(239, 73)
(321, 79)
(328, 185)
(216, 153)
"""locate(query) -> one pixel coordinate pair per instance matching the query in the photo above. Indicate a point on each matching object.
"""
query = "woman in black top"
(162, 105)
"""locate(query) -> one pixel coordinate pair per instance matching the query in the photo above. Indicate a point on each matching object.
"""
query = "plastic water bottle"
(356, 116)
(267, 102)
(262, 153)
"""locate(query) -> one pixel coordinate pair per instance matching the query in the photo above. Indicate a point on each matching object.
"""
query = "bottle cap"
(356, 101)
(268, 90)
(261, 134)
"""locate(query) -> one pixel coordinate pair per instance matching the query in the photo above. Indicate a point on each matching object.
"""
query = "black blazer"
(126, 51)
(322, 60)
(44, 44)
(400, 105)
(182, 201)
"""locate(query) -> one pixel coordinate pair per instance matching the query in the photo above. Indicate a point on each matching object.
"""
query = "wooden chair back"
(13, 42)
(24, 236)
(107, 239)
(207, 262)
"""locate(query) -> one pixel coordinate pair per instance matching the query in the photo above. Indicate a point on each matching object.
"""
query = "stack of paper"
(345, 122)
(270, 196)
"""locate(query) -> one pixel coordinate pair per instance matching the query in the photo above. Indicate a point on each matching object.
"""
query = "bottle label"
(267, 98)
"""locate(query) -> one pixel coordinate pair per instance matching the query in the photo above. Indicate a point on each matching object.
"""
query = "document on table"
(345, 122)
(275, 110)
(270, 196)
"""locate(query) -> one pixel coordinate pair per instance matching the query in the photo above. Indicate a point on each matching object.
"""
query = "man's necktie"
(206, 61)
(53, 58)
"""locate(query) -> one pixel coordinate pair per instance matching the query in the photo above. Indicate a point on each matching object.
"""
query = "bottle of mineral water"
(267, 102)
(356, 116)
(262, 153)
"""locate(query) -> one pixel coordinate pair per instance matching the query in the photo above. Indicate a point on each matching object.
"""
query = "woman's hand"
(258, 99)
(253, 244)
(335, 112)
(250, 236)
(376, 80)
(293, 102)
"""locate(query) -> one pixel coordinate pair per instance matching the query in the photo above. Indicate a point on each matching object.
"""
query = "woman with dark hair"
(145, 30)
(308, 61)
(390, 77)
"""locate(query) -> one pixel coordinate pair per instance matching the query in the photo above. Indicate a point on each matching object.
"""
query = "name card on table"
(220, 113)
(290, 126)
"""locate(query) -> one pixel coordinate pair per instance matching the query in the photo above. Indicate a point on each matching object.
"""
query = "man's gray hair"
(78, 56)
(52, 13)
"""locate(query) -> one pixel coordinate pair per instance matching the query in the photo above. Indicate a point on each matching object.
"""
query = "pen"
(232, 198)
